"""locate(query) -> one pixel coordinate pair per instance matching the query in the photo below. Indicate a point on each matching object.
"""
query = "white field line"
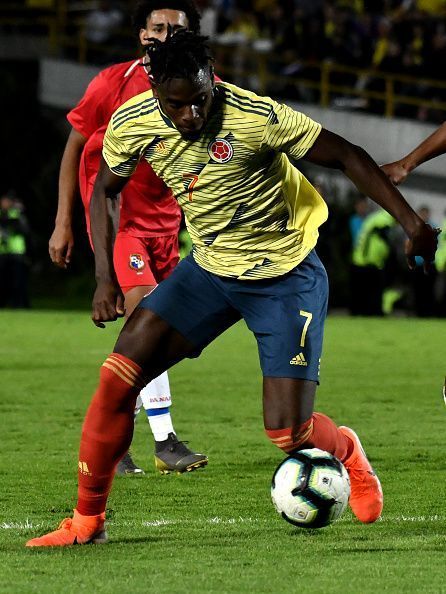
(160, 522)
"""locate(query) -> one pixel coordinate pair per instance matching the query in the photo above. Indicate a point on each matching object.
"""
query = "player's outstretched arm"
(61, 242)
(431, 147)
(331, 150)
(108, 300)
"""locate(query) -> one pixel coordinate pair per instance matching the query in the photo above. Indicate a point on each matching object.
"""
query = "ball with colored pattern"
(310, 489)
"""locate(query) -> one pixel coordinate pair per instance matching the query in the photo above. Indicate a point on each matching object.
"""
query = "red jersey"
(148, 207)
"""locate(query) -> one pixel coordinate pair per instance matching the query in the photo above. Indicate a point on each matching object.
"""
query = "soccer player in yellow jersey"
(253, 219)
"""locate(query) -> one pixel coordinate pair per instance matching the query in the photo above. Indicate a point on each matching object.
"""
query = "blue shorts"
(286, 313)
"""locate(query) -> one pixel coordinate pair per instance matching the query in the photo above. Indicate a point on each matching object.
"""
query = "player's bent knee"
(291, 438)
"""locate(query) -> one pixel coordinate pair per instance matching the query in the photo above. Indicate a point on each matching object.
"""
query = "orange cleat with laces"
(76, 530)
(366, 498)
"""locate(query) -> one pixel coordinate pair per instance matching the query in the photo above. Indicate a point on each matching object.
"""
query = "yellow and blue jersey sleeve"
(124, 138)
(117, 155)
(290, 132)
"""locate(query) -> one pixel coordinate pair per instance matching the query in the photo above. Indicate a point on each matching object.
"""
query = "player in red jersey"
(146, 248)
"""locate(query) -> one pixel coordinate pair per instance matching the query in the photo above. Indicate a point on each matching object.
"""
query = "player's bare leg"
(291, 425)
(146, 347)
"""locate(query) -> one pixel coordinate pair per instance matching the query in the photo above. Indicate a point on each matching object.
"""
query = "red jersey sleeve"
(92, 111)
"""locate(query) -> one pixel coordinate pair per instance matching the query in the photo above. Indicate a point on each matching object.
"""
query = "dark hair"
(182, 55)
(145, 7)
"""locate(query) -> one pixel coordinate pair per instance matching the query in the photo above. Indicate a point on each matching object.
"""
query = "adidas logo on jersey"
(299, 360)
(161, 147)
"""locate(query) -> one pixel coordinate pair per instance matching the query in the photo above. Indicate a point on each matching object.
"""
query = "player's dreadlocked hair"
(144, 8)
(182, 55)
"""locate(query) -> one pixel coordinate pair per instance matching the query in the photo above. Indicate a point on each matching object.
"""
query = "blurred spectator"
(361, 208)
(371, 255)
(102, 23)
(14, 231)
(101, 26)
(209, 17)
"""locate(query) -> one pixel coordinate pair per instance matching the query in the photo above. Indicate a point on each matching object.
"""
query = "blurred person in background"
(371, 257)
(209, 17)
(146, 248)
(101, 26)
(14, 234)
(361, 209)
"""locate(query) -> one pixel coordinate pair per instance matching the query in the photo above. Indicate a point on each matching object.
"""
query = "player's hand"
(61, 245)
(422, 243)
(396, 172)
(108, 303)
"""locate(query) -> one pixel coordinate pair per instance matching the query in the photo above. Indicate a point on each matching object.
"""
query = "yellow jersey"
(250, 213)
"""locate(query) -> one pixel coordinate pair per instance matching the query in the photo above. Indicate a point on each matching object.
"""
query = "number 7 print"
(309, 316)
(190, 186)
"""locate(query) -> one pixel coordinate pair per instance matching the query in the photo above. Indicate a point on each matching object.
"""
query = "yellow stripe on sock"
(128, 370)
(124, 364)
(124, 367)
(276, 439)
(131, 382)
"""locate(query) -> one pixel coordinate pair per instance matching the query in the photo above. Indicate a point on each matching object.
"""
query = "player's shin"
(317, 432)
(107, 431)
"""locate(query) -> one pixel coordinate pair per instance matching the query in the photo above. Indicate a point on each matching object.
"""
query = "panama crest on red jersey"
(136, 262)
(220, 150)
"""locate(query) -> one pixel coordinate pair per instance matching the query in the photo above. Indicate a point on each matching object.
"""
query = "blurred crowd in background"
(362, 248)
(293, 38)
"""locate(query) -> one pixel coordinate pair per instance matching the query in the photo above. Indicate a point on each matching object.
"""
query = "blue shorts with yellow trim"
(286, 313)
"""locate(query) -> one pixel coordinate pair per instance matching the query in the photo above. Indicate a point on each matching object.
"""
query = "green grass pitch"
(215, 531)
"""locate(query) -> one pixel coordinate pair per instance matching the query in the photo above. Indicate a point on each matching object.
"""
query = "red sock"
(107, 431)
(318, 432)
(326, 436)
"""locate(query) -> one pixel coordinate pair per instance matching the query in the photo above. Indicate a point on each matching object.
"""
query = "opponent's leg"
(171, 454)
(292, 425)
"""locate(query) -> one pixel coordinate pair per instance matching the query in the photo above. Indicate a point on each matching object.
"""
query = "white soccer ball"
(310, 489)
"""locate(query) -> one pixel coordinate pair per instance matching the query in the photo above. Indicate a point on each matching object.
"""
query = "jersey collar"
(166, 119)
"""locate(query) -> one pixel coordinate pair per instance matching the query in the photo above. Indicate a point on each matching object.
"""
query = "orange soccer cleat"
(366, 498)
(76, 530)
